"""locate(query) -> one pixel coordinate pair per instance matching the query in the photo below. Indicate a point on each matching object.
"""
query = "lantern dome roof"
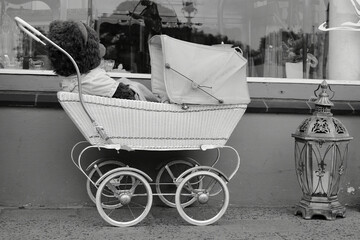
(322, 127)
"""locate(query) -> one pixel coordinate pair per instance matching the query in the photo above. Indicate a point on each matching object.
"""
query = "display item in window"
(10, 46)
(293, 55)
(151, 17)
(82, 43)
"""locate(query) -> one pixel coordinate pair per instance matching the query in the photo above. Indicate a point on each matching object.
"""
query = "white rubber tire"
(134, 176)
(180, 208)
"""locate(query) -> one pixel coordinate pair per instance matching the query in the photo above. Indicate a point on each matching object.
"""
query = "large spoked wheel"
(212, 198)
(130, 199)
(166, 184)
(96, 173)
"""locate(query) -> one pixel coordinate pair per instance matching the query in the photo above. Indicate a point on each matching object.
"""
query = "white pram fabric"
(192, 73)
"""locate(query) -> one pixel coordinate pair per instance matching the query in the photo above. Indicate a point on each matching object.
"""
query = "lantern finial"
(323, 104)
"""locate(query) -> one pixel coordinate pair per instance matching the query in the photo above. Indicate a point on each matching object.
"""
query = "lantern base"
(330, 207)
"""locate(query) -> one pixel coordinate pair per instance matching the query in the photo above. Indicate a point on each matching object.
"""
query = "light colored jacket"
(98, 82)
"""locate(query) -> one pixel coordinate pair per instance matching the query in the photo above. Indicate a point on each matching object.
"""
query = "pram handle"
(32, 32)
(39, 37)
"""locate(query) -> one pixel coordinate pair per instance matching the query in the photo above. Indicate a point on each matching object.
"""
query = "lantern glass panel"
(319, 166)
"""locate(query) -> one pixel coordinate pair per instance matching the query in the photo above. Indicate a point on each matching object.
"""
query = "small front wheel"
(131, 198)
(212, 198)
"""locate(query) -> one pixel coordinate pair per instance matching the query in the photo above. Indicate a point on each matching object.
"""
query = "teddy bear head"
(77, 39)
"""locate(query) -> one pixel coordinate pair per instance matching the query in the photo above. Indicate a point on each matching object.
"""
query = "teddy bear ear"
(83, 31)
(102, 50)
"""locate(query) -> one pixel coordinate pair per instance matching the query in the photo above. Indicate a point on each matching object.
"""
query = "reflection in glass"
(279, 38)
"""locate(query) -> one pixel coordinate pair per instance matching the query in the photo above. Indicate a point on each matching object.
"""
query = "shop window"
(280, 38)
(17, 50)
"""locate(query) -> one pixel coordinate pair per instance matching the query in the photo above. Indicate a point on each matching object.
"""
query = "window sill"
(113, 74)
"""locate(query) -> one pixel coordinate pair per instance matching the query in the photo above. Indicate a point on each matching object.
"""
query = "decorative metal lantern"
(321, 151)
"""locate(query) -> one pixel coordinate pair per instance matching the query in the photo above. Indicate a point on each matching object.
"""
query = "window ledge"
(147, 76)
(114, 74)
(294, 106)
(257, 105)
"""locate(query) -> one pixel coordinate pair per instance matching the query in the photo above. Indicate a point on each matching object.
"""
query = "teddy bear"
(82, 43)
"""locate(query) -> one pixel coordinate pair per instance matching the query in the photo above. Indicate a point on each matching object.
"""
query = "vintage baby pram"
(207, 90)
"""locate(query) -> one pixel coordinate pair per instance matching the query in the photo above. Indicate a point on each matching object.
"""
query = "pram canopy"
(191, 73)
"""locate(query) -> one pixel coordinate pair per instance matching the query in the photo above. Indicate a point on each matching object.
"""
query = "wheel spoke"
(210, 185)
(110, 212)
(131, 212)
(132, 190)
(170, 172)
(138, 204)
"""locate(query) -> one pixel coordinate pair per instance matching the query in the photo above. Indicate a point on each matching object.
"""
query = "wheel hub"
(125, 198)
(203, 198)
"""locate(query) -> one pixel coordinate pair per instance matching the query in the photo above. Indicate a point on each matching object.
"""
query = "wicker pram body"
(152, 126)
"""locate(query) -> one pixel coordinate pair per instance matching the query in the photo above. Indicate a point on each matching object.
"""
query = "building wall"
(36, 169)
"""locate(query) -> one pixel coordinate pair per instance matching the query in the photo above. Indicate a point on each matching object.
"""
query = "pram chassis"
(195, 170)
(191, 184)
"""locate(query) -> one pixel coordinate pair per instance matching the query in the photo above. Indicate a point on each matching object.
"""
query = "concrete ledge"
(28, 99)
(257, 105)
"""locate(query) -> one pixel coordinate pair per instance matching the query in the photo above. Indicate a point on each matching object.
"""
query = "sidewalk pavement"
(270, 223)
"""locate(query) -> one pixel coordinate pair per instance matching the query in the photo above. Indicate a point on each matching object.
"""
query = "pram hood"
(192, 73)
